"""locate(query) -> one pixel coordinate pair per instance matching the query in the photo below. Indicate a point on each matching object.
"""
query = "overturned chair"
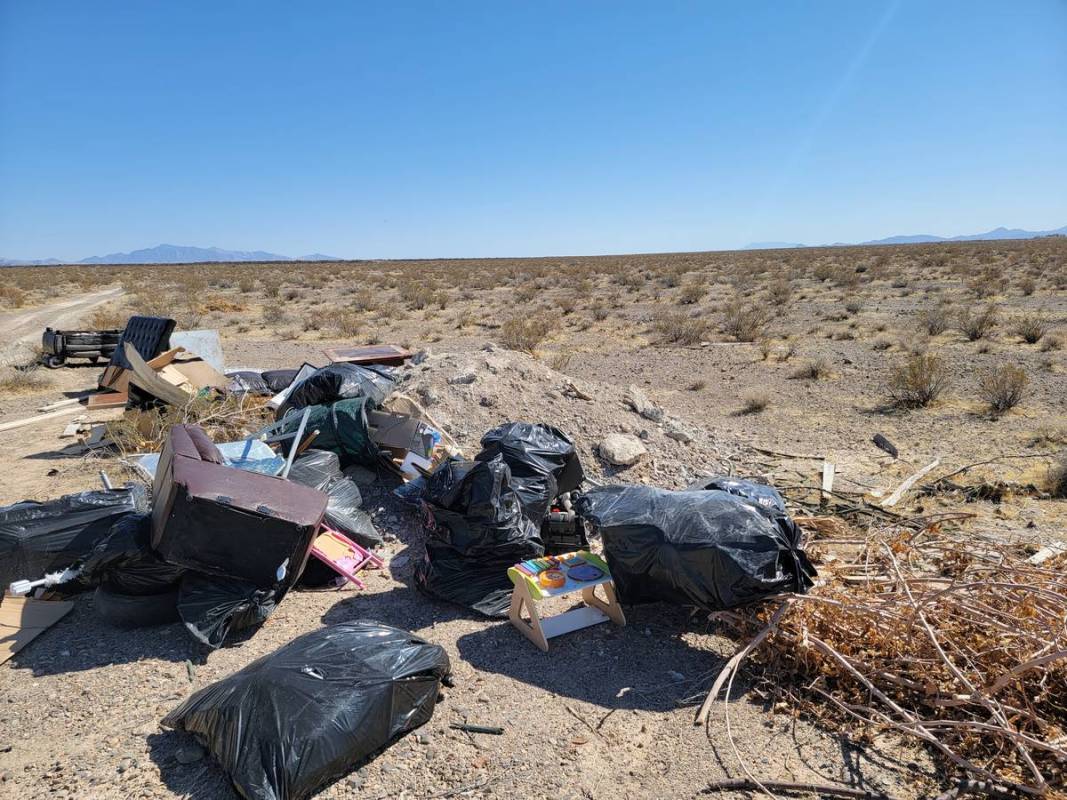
(224, 521)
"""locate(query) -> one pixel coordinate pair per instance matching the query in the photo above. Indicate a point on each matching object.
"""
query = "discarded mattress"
(477, 531)
(709, 549)
(303, 716)
(542, 459)
(38, 538)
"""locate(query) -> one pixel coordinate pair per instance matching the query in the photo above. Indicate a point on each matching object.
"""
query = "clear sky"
(506, 129)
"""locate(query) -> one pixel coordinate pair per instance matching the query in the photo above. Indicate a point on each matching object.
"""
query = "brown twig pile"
(228, 419)
(959, 643)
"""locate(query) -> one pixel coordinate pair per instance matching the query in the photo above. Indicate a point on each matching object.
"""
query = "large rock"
(621, 449)
(639, 402)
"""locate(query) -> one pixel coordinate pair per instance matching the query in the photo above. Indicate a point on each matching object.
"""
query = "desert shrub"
(246, 283)
(416, 294)
(1027, 286)
(746, 322)
(524, 333)
(271, 286)
(697, 385)
(345, 321)
(561, 360)
(1030, 327)
(936, 319)
(691, 293)
(1003, 387)
(1051, 343)
(881, 345)
(680, 328)
(754, 404)
(813, 370)
(600, 312)
(12, 296)
(917, 382)
(977, 325)
(780, 291)
(853, 305)
(108, 317)
(566, 304)
(16, 380)
(1058, 478)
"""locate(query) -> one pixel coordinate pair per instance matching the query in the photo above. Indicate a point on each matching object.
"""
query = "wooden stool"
(528, 591)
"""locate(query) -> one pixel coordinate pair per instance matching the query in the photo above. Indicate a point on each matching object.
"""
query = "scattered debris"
(883, 443)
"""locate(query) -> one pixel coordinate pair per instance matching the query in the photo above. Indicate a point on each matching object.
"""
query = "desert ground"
(765, 363)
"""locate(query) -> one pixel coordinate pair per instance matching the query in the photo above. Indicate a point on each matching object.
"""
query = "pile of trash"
(224, 531)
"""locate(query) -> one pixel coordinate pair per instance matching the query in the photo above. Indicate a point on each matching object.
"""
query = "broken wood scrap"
(20, 423)
(898, 493)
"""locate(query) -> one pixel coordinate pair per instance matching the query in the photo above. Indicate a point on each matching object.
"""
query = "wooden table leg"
(611, 607)
(531, 630)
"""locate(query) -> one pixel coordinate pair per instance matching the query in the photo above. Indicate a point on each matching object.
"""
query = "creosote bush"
(524, 333)
(744, 321)
(1030, 327)
(917, 382)
(813, 371)
(936, 319)
(977, 325)
(1003, 387)
(754, 404)
(677, 327)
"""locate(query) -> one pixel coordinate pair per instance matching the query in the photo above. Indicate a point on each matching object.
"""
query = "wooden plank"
(386, 354)
(145, 377)
(108, 400)
(20, 423)
(61, 404)
(894, 498)
(829, 469)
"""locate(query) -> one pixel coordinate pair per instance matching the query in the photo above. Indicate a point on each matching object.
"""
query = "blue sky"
(508, 129)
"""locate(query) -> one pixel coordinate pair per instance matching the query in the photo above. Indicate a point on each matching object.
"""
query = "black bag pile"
(124, 561)
(38, 538)
(321, 469)
(712, 549)
(340, 382)
(485, 515)
(264, 383)
(303, 716)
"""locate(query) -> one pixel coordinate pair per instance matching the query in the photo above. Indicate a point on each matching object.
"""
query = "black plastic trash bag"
(38, 538)
(213, 607)
(316, 468)
(478, 530)
(759, 493)
(340, 382)
(248, 382)
(125, 562)
(321, 469)
(708, 549)
(278, 380)
(542, 460)
(298, 719)
(342, 430)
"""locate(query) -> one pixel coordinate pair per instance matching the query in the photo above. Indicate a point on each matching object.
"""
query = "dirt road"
(22, 328)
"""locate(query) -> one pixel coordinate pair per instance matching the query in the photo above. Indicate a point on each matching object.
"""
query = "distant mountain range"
(923, 238)
(170, 254)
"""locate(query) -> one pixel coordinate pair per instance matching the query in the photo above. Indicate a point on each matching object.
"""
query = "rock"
(427, 395)
(621, 449)
(638, 402)
(421, 356)
(487, 402)
(189, 754)
(675, 430)
(462, 379)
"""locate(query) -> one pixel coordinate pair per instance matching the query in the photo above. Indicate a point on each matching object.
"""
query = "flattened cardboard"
(23, 619)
